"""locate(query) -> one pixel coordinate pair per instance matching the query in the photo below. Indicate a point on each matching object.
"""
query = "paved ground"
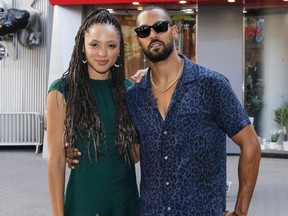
(24, 191)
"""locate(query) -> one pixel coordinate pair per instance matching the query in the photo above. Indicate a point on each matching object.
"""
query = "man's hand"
(137, 77)
(70, 154)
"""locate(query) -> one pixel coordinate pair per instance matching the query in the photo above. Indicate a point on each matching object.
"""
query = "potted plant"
(253, 102)
(281, 117)
(274, 138)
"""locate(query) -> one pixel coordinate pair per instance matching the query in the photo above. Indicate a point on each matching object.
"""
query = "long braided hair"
(82, 116)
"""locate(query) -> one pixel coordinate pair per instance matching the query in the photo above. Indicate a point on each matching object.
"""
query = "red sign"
(82, 2)
(254, 28)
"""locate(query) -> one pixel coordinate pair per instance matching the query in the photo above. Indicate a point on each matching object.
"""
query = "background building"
(235, 39)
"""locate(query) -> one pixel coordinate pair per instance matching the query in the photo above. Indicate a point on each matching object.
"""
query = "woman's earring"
(117, 65)
(84, 61)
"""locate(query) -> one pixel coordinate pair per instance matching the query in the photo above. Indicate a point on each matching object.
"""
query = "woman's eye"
(113, 46)
(93, 45)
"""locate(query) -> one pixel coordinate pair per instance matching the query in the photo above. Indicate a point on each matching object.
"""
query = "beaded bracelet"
(235, 213)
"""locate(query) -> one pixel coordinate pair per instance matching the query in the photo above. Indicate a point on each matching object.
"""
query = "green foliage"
(281, 115)
(253, 102)
(275, 136)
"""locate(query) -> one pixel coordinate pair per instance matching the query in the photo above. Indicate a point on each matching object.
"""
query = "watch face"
(3, 51)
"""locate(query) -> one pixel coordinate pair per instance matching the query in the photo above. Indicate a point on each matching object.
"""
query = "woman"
(86, 109)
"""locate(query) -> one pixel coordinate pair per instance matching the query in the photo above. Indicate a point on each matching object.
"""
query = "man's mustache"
(153, 41)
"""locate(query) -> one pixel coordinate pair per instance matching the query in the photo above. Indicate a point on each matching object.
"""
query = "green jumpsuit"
(108, 187)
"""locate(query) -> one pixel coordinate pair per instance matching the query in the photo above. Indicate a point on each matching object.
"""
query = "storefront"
(249, 48)
(266, 76)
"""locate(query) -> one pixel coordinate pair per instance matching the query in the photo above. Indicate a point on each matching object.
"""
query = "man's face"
(157, 46)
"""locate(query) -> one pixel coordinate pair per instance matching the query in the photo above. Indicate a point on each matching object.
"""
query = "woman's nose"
(102, 51)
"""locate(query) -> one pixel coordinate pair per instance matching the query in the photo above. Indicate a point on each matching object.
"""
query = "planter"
(251, 120)
(285, 145)
(279, 146)
(263, 147)
(272, 145)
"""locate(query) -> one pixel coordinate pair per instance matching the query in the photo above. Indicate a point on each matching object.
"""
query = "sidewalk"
(24, 190)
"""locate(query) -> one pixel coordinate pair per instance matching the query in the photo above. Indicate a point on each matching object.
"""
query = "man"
(183, 112)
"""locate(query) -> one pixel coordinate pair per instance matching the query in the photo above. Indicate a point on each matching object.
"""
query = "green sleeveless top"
(108, 187)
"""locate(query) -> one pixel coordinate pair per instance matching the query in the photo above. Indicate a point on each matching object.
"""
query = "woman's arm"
(56, 156)
(136, 153)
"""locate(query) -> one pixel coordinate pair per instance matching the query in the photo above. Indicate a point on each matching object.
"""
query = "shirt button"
(166, 157)
(165, 132)
(167, 183)
(169, 208)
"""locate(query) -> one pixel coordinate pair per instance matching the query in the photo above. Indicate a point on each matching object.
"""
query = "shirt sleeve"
(58, 85)
(230, 114)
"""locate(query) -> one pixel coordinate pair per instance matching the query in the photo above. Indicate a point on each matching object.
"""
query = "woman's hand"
(70, 156)
(137, 77)
(136, 153)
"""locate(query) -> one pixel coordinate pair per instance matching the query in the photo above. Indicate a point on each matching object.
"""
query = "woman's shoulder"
(58, 84)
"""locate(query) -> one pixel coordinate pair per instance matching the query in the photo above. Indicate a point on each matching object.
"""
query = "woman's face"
(102, 48)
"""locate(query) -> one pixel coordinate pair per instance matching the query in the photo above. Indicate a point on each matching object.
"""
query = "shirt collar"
(190, 73)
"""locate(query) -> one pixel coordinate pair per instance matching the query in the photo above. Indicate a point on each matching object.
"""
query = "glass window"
(266, 75)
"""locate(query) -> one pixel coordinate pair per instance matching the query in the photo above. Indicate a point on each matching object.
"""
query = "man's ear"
(137, 39)
(175, 31)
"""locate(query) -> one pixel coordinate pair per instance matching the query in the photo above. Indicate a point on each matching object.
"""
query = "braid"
(82, 116)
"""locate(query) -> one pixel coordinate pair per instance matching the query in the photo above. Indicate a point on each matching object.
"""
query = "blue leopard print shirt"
(183, 159)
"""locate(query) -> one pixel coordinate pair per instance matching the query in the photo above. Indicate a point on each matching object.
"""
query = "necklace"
(174, 81)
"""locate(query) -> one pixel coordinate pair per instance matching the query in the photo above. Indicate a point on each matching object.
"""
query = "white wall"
(275, 68)
(66, 22)
(220, 46)
(23, 72)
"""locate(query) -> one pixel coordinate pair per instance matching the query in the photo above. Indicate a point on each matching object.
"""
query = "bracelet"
(235, 213)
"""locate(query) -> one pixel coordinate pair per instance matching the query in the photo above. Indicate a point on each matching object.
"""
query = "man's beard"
(157, 55)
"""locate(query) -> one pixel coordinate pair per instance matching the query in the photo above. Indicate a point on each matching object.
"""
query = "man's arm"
(248, 167)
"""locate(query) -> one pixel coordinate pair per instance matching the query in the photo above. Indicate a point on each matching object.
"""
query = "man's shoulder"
(201, 73)
(133, 90)
(135, 94)
(135, 87)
